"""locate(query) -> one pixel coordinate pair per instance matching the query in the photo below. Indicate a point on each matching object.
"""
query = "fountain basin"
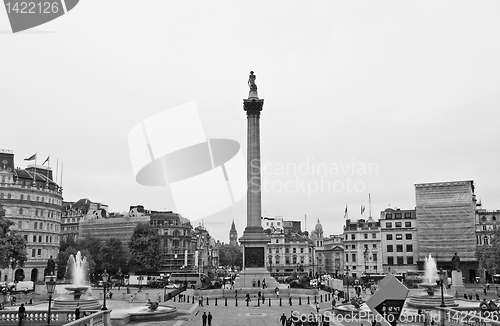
(85, 304)
(425, 301)
(142, 314)
(350, 310)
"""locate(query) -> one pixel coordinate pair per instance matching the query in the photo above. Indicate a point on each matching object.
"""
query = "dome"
(318, 227)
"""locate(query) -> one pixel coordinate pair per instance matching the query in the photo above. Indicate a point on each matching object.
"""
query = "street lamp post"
(347, 276)
(441, 283)
(51, 286)
(105, 276)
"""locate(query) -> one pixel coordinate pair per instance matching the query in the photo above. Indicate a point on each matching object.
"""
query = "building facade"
(362, 247)
(399, 240)
(486, 225)
(273, 223)
(445, 216)
(288, 254)
(33, 201)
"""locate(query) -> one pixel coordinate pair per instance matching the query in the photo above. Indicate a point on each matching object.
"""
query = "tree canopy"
(145, 254)
(488, 256)
(12, 245)
(230, 256)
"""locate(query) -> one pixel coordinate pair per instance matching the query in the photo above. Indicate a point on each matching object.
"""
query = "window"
(276, 240)
(353, 258)
(409, 248)
(22, 196)
(26, 237)
(399, 237)
(399, 224)
(407, 224)
(400, 260)
(270, 251)
(34, 238)
(408, 215)
(294, 250)
(347, 258)
(408, 236)
(33, 251)
(389, 248)
(374, 246)
(20, 211)
(388, 216)
(353, 246)
(353, 236)
(366, 236)
(398, 215)
(287, 250)
(39, 252)
(374, 236)
(409, 260)
(19, 225)
(374, 257)
(388, 225)
(301, 250)
(399, 248)
(390, 260)
(366, 247)
(388, 237)
(41, 226)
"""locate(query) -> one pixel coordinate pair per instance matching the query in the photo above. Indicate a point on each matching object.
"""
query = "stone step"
(253, 277)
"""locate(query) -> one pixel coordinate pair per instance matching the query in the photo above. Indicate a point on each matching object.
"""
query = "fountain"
(430, 299)
(77, 271)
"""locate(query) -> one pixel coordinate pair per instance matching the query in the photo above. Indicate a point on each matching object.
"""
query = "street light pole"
(347, 276)
(105, 276)
(51, 285)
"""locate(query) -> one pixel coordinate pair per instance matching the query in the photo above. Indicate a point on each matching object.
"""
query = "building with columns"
(33, 201)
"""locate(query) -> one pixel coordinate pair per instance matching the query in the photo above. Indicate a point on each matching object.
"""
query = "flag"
(48, 158)
(31, 158)
(362, 209)
(345, 213)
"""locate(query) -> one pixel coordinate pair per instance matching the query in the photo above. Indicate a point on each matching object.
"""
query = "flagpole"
(370, 204)
(57, 169)
(34, 174)
(62, 167)
(47, 181)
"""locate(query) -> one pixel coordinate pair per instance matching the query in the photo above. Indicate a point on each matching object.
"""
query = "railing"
(57, 318)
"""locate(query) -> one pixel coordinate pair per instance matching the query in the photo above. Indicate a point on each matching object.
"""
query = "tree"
(12, 246)
(112, 255)
(144, 247)
(93, 246)
(230, 256)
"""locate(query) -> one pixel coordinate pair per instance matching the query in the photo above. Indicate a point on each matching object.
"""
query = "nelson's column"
(254, 240)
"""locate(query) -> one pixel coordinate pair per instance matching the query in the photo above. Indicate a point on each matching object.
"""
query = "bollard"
(321, 298)
(315, 299)
(308, 300)
(269, 302)
(193, 298)
(188, 299)
(300, 301)
(207, 301)
(280, 302)
(236, 302)
(215, 301)
(290, 301)
(247, 302)
(174, 299)
(225, 302)
(258, 302)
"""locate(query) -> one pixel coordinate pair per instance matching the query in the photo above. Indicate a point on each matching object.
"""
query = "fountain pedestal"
(457, 283)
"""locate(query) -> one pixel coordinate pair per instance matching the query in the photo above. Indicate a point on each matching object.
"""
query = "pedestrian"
(488, 286)
(484, 289)
(263, 283)
(110, 295)
(477, 297)
(333, 304)
(263, 298)
(77, 311)
(131, 298)
(289, 321)
(21, 313)
(259, 295)
(128, 290)
(290, 299)
(374, 322)
(209, 319)
(204, 319)
(159, 297)
(283, 319)
(248, 298)
(200, 301)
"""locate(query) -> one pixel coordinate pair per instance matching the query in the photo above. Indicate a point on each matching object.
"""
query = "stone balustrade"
(59, 317)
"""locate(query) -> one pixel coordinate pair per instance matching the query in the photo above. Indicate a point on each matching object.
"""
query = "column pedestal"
(457, 284)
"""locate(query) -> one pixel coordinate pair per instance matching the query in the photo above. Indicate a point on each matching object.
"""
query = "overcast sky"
(386, 94)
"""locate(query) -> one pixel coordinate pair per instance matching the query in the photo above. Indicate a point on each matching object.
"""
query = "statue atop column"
(251, 82)
(455, 263)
